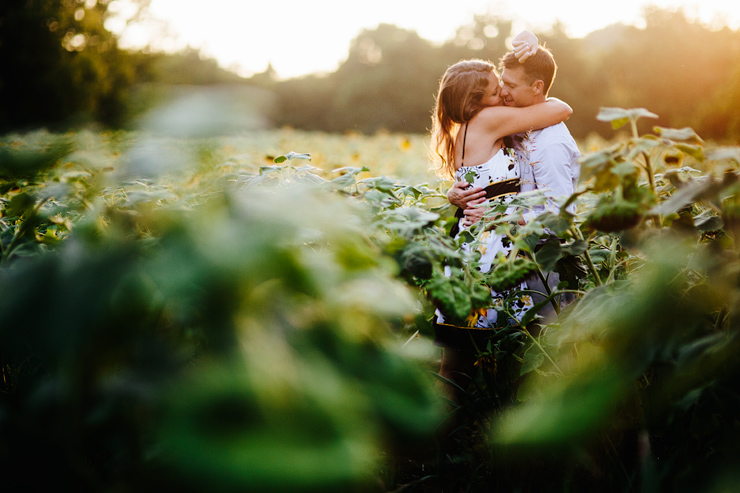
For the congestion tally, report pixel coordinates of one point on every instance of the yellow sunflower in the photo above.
(472, 319)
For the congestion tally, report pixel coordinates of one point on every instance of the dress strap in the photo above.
(465, 137)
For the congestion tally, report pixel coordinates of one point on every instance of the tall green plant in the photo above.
(641, 362)
(246, 343)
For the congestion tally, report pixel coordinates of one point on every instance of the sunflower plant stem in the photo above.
(19, 233)
(2, 248)
(547, 355)
(648, 165)
(592, 268)
(548, 292)
(633, 124)
(649, 169)
(12, 245)
(618, 459)
(651, 183)
(513, 253)
(589, 262)
(612, 260)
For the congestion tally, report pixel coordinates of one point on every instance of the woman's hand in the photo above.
(524, 45)
(461, 194)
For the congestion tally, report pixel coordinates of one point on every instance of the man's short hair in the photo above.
(540, 66)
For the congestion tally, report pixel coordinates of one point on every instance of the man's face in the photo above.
(515, 88)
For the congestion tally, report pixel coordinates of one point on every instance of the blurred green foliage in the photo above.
(244, 336)
(174, 318)
(635, 387)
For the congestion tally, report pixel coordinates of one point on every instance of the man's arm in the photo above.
(467, 198)
(463, 195)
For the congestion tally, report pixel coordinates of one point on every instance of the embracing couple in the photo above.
(477, 114)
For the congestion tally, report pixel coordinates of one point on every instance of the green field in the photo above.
(218, 314)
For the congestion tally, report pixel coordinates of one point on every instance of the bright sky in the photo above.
(309, 36)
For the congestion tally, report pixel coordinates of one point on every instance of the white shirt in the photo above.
(548, 160)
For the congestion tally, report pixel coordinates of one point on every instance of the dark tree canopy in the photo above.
(59, 62)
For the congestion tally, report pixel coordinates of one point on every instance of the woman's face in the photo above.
(492, 97)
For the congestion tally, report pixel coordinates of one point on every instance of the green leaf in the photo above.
(598, 165)
(613, 213)
(724, 153)
(699, 348)
(575, 248)
(409, 219)
(624, 169)
(466, 237)
(684, 134)
(343, 181)
(531, 361)
(618, 123)
(691, 192)
(381, 200)
(27, 156)
(554, 222)
(410, 190)
(532, 228)
(707, 221)
(617, 116)
(571, 268)
(599, 255)
(451, 296)
(505, 273)
(534, 312)
(140, 196)
(637, 113)
(19, 205)
(620, 116)
(352, 170)
(271, 169)
(75, 176)
(568, 410)
(548, 255)
(382, 183)
(552, 251)
(291, 155)
(695, 151)
(642, 145)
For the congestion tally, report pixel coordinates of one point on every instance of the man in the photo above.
(547, 157)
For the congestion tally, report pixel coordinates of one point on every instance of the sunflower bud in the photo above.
(614, 214)
(509, 273)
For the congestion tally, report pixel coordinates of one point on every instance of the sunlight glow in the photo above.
(299, 37)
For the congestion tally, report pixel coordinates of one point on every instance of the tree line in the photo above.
(62, 67)
(677, 67)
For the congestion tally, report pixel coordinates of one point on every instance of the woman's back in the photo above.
(474, 144)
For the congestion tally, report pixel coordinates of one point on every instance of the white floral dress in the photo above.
(501, 172)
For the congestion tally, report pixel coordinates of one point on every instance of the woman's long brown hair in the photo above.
(458, 100)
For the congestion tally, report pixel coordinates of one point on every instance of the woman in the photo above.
(469, 127)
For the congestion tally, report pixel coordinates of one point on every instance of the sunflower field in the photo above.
(253, 313)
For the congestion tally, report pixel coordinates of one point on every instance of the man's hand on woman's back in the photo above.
(467, 198)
